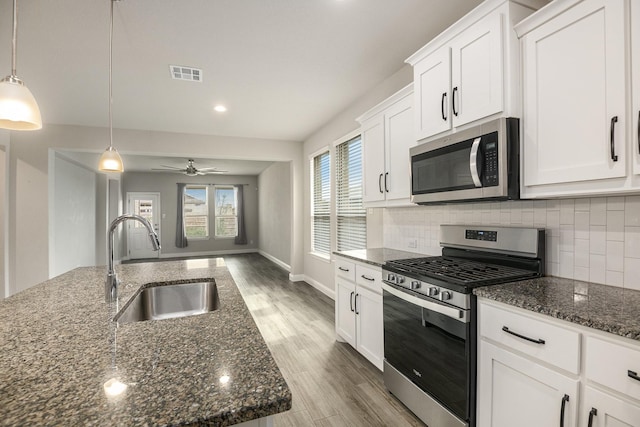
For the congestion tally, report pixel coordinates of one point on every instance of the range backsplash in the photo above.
(590, 239)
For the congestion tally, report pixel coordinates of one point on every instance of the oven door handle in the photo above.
(454, 313)
(473, 162)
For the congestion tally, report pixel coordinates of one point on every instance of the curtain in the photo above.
(181, 235)
(241, 238)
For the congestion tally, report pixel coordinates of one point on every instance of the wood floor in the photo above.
(331, 384)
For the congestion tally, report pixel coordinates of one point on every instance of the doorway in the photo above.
(147, 205)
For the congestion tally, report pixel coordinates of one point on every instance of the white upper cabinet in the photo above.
(579, 81)
(387, 134)
(635, 84)
(470, 71)
(476, 71)
(574, 93)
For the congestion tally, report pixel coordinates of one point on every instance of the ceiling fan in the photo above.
(191, 170)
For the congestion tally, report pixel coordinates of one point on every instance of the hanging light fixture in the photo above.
(110, 161)
(18, 108)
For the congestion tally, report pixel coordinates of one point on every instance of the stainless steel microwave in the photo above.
(481, 163)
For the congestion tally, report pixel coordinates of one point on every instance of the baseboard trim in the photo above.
(208, 253)
(314, 283)
(275, 260)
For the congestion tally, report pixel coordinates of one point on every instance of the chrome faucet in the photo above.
(111, 285)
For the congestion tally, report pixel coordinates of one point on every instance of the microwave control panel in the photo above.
(490, 149)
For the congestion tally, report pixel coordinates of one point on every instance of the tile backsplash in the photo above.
(590, 239)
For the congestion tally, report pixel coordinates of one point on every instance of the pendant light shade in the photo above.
(18, 108)
(110, 161)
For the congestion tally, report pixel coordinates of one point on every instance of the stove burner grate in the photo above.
(460, 270)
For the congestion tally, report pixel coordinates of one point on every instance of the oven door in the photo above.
(430, 344)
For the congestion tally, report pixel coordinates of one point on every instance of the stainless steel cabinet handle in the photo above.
(356, 304)
(380, 183)
(612, 139)
(343, 269)
(565, 399)
(386, 178)
(473, 163)
(351, 301)
(633, 375)
(368, 278)
(538, 341)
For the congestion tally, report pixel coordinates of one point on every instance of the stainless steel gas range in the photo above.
(430, 316)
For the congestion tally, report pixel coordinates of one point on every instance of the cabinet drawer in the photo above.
(369, 277)
(345, 269)
(613, 366)
(544, 341)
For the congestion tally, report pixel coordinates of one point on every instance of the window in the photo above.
(196, 211)
(226, 212)
(351, 215)
(320, 204)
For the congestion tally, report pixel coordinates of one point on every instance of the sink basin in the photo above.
(170, 301)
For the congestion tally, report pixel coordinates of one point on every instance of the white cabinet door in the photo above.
(373, 159)
(432, 84)
(635, 84)
(574, 91)
(370, 329)
(345, 311)
(399, 137)
(477, 70)
(607, 411)
(514, 391)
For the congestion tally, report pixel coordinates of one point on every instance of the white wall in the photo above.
(29, 180)
(596, 239)
(319, 272)
(274, 206)
(4, 139)
(166, 185)
(73, 221)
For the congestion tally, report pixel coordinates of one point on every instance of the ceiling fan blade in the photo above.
(217, 172)
(172, 167)
(208, 169)
(167, 170)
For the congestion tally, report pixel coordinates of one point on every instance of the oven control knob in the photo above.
(433, 291)
(445, 295)
(391, 277)
(400, 279)
(414, 284)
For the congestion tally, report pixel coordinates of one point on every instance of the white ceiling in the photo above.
(282, 67)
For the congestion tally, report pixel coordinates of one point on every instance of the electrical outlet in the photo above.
(413, 243)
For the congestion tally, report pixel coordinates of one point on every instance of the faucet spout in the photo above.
(111, 284)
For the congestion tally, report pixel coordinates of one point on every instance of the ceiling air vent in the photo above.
(179, 72)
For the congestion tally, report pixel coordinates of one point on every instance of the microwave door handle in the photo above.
(473, 163)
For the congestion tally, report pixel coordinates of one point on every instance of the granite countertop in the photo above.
(377, 256)
(58, 347)
(607, 308)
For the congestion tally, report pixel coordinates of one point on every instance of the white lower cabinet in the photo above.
(531, 373)
(358, 308)
(513, 390)
(603, 410)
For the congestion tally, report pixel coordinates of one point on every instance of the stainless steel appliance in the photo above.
(478, 163)
(429, 315)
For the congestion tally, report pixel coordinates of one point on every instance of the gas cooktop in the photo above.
(458, 270)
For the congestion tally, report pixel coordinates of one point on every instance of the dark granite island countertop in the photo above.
(377, 256)
(606, 308)
(58, 348)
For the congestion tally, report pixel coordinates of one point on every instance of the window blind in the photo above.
(321, 234)
(351, 215)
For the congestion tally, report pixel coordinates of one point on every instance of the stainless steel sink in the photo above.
(170, 301)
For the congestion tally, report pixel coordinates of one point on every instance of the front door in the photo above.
(147, 205)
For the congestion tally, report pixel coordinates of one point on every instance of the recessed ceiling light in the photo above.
(220, 108)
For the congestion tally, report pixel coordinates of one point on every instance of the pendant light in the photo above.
(110, 161)
(18, 108)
